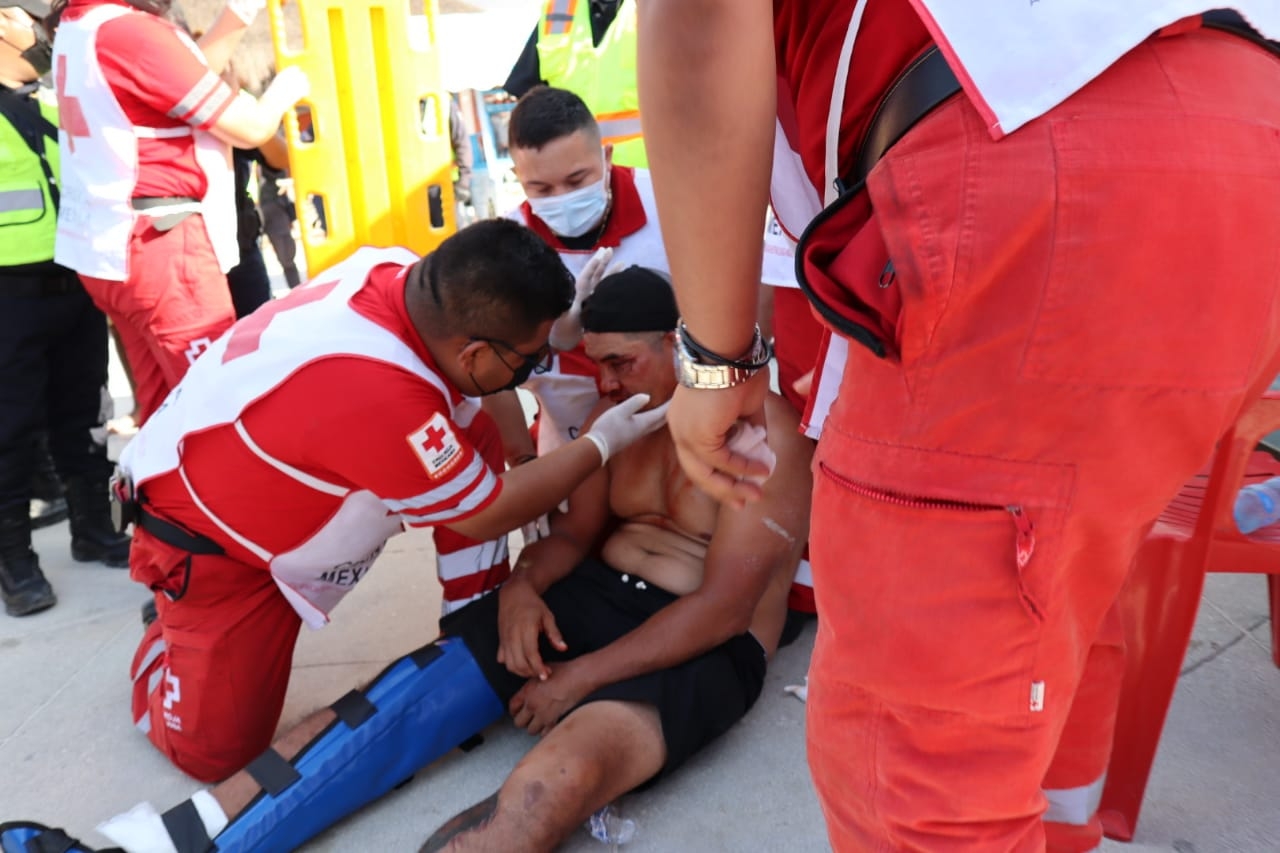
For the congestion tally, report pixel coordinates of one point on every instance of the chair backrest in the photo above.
(1238, 462)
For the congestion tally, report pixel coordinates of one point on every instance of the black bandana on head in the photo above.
(637, 299)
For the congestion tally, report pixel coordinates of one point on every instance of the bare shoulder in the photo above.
(793, 449)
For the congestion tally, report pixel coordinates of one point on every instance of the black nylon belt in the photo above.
(925, 84)
(171, 534)
(929, 81)
(186, 828)
(1231, 21)
(354, 708)
(271, 771)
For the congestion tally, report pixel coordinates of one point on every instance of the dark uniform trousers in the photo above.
(53, 376)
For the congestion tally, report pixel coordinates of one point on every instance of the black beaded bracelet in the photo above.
(706, 356)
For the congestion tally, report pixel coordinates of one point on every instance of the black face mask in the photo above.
(40, 54)
(518, 377)
(526, 368)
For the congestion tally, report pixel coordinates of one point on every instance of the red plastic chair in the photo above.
(1195, 535)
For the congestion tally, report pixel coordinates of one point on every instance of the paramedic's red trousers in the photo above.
(173, 305)
(1087, 305)
(210, 674)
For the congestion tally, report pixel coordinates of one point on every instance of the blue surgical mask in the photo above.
(573, 214)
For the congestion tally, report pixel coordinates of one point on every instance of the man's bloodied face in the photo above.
(634, 363)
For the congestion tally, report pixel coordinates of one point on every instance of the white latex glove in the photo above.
(751, 441)
(539, 528)
(567, 329)
(619, 427)
(289, 86)
(246, 10)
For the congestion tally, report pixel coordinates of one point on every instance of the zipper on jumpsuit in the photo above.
(1024, 543)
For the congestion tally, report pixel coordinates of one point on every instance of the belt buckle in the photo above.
(124, 502)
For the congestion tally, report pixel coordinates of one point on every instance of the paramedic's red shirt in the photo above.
(160, 81)
(808, 35)
(343, 419)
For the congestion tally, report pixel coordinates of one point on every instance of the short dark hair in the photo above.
(545, 114)
(495, 279)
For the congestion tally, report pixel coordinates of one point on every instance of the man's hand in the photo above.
(539, 705)
(701, 423)
(620, 427)
(523, 617)
(566, 332)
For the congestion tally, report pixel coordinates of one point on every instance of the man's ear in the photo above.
(608, 155)
(467, 355)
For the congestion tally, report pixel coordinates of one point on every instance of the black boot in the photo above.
(48, 505)
(22, 584)
(93, 536)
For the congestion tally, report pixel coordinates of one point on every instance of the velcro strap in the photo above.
(51, 841)
(425, 655)
(354, 708)
(272, 772)
(186, 829)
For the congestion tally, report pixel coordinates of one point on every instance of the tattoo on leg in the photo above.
(474, 818)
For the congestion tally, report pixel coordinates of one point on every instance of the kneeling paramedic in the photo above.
(341, 410)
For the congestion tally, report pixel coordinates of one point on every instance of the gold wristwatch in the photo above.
(697, 367)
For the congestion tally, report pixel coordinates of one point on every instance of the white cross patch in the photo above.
(436, 445)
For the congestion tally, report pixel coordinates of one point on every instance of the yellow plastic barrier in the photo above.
(380, 159)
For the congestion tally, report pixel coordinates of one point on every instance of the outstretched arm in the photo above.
(707, 97)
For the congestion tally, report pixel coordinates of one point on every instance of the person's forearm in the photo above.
(275, 151)
(221, 40)
(707, 101)
(533, 489)
(679, 632)
(548, 560)
(508, 414)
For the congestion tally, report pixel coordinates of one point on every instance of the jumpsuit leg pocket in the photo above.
(936, 598)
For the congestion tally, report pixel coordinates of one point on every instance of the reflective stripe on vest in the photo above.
(558, 17)
(1074, 806)
(619, 127)
(28, 221)
(13, 201)
(603, 75)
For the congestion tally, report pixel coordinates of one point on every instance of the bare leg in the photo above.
(598, 752)
(239, 790)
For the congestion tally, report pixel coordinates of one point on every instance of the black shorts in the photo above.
(697, 700)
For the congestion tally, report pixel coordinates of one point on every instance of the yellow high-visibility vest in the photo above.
(28, 220)
(604, 77)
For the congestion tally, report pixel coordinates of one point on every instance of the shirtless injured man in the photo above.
(633, 635)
